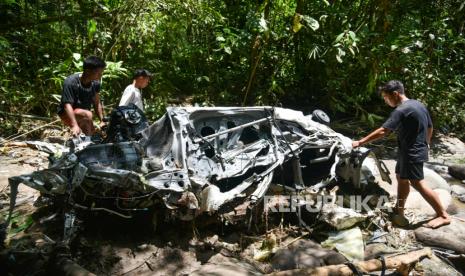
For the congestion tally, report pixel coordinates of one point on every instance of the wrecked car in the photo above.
(197, 160)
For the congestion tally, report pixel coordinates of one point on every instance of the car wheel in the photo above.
(321, 117)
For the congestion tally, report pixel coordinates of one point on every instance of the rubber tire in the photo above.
(321, 117)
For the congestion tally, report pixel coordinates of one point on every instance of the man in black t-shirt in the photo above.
(412, 123)
(80, 92)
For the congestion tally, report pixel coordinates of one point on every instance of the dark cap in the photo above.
(141, 73)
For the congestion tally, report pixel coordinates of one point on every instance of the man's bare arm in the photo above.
(375, 135)
(429, 135)
(98, 107)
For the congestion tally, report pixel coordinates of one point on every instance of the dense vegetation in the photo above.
(329, 54)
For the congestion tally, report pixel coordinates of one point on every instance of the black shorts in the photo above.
(409, 170)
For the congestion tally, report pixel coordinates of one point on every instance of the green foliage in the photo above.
(300, 54)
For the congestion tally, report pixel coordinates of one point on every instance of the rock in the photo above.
(440, 169)
(416, 201)
(460, 215)
(452, 144)
(39, 243)
(451, 236)
(453, 209)
(340, 217)
(461, 198)
(457, 171)
(305, 254)
(221, 265)
(374, 250)
(434, 180)
(211, 240)
(435, 266)
(144, 247)
(458, 189)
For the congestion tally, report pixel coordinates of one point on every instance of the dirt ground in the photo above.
(110, 245)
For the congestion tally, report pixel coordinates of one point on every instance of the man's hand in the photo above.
(102, 124)
(375, 135)
(75, 130)
(355, 144)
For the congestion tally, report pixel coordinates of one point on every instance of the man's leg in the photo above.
(403, 189)
(84, 120)
(433, 199)
(403, 186)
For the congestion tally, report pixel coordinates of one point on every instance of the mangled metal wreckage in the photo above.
(198, 160)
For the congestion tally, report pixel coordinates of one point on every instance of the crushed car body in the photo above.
(197, 160)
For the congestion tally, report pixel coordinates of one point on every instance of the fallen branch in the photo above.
(145, 261)
(15, 144)
(294, 240)
(35, 129)
(48, 119)
(402, 263)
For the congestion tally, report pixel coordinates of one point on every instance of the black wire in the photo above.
(118, 197)
(354, 269)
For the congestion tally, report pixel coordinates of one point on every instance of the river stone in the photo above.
(416, 201)
(374, 250)
(457, 171)
(458, 189)
(453, 145)
(305, 254)
(440, 169)
(460, 215)
(451, 236)
(435, 266)
(222, 265)
(432, 178)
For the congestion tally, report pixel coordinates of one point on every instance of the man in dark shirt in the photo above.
(412, 123)
(80, 92)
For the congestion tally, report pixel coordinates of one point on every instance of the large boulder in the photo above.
(305, 254)
(435, 266)
(374, 250)
(416, 201)
(458, 190)
(222, 265)
(451, 236)
(454, 146)
(457, 171)
(432, 178)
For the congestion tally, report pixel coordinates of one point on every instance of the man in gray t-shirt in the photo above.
(80, 93)
(412, 123)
